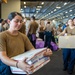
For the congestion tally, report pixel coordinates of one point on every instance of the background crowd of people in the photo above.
(46, 32)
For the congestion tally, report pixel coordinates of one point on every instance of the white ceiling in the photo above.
(49, 9)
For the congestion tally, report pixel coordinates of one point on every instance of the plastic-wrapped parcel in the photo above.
(35, 58)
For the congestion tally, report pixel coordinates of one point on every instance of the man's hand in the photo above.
(48, 52)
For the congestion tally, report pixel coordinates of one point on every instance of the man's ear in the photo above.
(8, 21)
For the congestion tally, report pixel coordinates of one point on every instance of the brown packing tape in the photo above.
(4, 1)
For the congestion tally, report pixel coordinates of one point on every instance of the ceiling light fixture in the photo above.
(70, 10)
(37, 9)
(49, 13)
(66, 12)
(42, 3)
(24, 2)
(39, 6)
(24, 6)
(65, 3)
(71, 15)
(67, 16)
(21, 9)
(54, 9)
(58, 7)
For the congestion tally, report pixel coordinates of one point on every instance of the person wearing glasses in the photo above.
(13, 43)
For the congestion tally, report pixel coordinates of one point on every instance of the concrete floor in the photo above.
(54, 67)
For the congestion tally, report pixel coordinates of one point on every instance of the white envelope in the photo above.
(35, 57)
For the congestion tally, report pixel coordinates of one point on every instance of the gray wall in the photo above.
(11, 5)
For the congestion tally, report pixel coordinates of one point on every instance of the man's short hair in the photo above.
(33, 17)
(73, 18)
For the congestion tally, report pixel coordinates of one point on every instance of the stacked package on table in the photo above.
(35, 57)
(66, 42)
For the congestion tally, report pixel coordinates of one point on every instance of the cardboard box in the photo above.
(66, 42)
(35, 57)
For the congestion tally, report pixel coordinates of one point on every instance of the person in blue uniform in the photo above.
(69, 54)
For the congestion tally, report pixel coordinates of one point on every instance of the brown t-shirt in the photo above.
(14, 44)
(49, 27)
(33, 26)
(23, 29)
(41, 29)
(70, 31)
